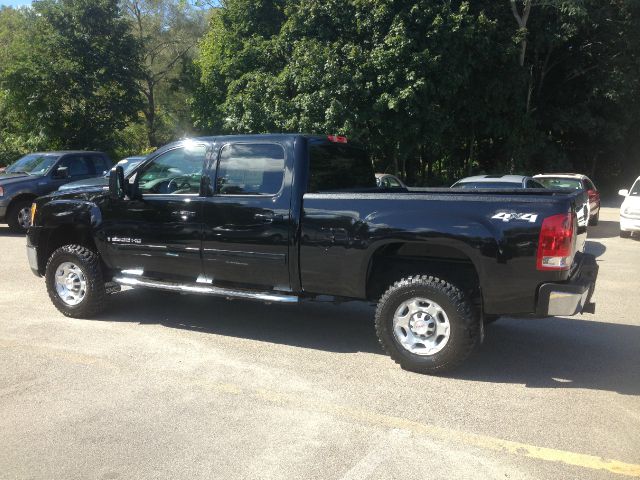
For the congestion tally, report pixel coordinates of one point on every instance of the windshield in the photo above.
(34, 164)
(561, 183)
(635, 190)
(508, 185)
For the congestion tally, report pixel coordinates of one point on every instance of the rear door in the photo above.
(246, 218)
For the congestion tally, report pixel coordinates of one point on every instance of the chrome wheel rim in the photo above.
(24, 217)
(421, 326)
(71, 284)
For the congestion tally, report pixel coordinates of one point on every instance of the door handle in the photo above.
(184, 214)
(264, 217)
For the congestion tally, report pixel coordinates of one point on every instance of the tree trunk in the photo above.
(594, 164)
(150, 114)
(522, 20)
(472, 147)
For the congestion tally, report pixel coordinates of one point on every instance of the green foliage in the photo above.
(73, 81)
(167, 33)
(435, 89)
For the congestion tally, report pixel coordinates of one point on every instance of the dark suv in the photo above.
(37, 174)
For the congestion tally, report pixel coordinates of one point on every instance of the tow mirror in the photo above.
(623, 193)
(116, 183)
(62, 172)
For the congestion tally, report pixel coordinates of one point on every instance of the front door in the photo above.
(158, 233)
(79, 167)
(246, 220)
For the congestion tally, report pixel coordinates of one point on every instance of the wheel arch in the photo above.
(65, 222)
(19, 197)
(450, 261)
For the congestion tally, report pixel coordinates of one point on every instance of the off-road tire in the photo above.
(12, 216)
(88, 261)
(624, 234)
(464, 324)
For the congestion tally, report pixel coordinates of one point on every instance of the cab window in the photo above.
(250, 169)
(176, 172)
(77, 165)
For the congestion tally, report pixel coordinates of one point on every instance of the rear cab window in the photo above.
(337, 167)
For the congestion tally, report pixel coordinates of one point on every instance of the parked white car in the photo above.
(630, 210)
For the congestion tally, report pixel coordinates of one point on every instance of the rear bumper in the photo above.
(573, 296)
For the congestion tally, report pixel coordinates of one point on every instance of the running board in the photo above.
(206, 290)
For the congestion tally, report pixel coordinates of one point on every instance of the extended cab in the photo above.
(37, 174)
(281, 218)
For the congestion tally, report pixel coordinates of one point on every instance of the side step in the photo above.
(207, 290)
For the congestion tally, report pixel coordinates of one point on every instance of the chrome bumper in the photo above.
(32, 256)
(572, 297)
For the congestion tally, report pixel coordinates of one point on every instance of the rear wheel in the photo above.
(426, 325)
(19, 216)
(74, 281)
(593, 221)
(624, 234)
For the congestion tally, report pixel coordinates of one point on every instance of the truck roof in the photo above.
(65, 152)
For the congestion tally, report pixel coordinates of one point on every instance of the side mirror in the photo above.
(61, 172)
(623, 193)
(116, 183)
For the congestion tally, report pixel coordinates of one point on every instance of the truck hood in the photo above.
(88, 194)
(84, 184)
(14, 178)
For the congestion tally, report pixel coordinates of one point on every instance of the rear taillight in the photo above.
(593, 194)
(557, 242)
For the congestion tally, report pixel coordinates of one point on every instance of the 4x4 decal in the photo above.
(508, 216)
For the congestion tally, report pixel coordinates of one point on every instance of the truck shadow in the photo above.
(558, 353)
(5, 232)
(595, 248)
(539, 353)
(604, 229)
(317, 325)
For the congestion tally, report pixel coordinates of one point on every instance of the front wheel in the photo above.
(426, 325)
(19, 216)
(594, 220)
(624, 234)
(74, 281)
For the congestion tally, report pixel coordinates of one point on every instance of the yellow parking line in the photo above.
(386, 421)
(481, 441)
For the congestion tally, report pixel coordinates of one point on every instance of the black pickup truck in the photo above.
(282, 218)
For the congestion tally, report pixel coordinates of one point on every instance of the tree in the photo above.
(75, 84)
(167, 33)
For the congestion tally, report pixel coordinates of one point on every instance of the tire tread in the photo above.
(463, 309)
(95, 301)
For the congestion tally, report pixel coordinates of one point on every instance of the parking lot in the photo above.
(172, 386)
